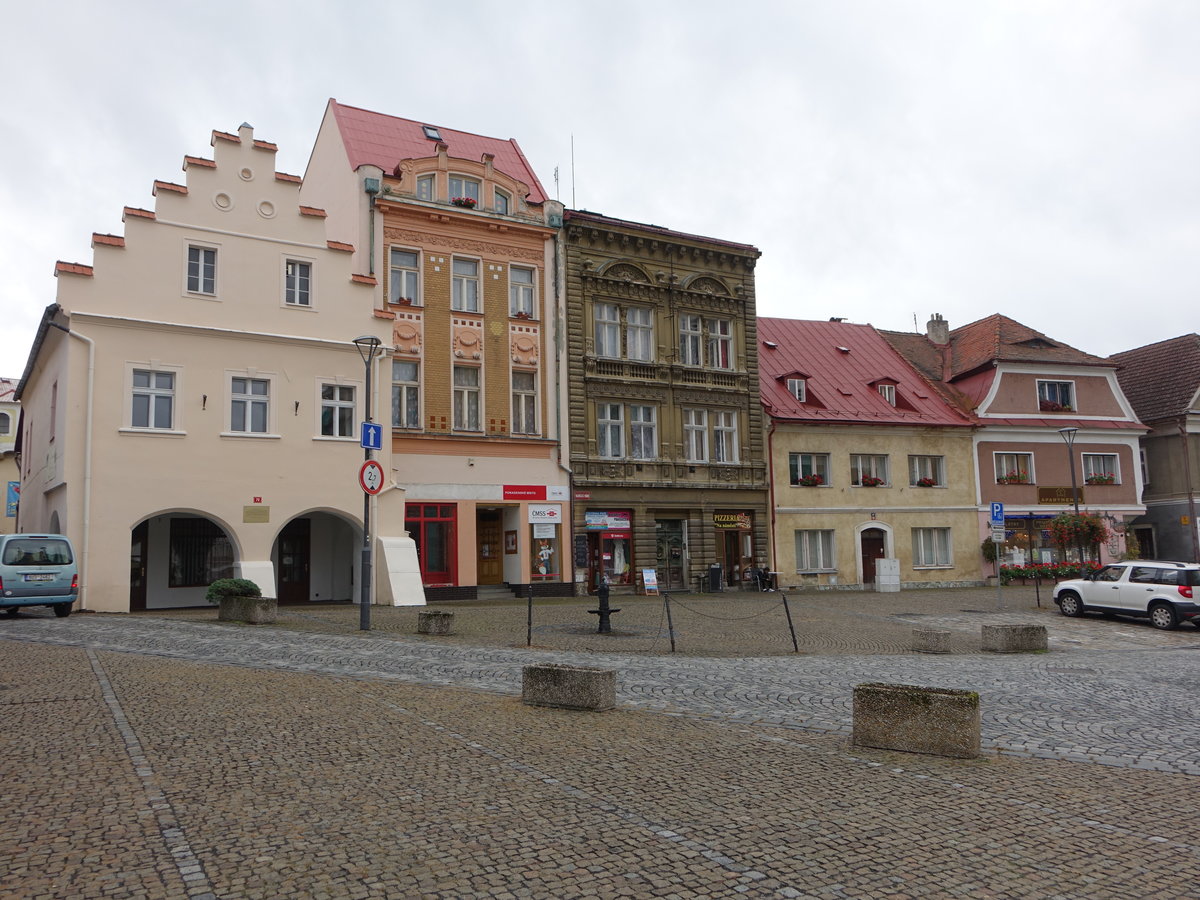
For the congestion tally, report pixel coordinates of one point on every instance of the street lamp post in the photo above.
(1068, 435)
(368, 346)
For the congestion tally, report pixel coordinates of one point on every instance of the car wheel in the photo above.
(1070, 604)
(12, 611)
(1163, 615)
(62, 610)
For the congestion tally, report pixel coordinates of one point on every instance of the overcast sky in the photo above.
(891, 159)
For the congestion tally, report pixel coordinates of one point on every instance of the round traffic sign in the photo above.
(370, 477)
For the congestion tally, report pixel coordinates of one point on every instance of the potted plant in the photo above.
(241, 600)
(1106, 478)
(521, 314)
(871, 481)
(813, 480)
(1013, 478)
(464, 202)
(926, 482)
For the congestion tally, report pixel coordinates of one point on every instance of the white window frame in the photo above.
(341, 401)
(933, 467)
(818, 542)
(639, 333)
(298, 286)
(933, 548)
(803, 463)
(467, 398)
(201, 279)
(873, 464)
(1043, 389)
(406, 396)
(887, 392)
(5, 423)
(608, 330)
(610, 431)
(725, 436)
(426, 187)
(153, 393)
(524, 403)
(798, 388)
(695, 435)
(501, 202)
(465, 289)
(691, 332)
(404, 277)
(1008, 462)
(643, 431)
(521, 293)
(1092, 460)
(467, 186)
(719, 348)
(248, 400)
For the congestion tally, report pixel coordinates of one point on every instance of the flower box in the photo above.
(1101, 479)
(871, 481)
(926, 482)
(464, 202)
(810, 481)
(1013, 478)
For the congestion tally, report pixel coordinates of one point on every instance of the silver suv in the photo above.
(1161, 591)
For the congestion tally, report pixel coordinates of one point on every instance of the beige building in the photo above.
(872, 471)
(10, 477)
(192, 400)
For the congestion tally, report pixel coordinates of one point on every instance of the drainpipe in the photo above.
(771, 489)
(87, 459)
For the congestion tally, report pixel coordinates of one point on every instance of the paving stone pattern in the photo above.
(169, 756)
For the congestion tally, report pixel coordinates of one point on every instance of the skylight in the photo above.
(431, 132)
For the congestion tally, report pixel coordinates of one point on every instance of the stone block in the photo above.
(887, 587)
(569, 687)
(252, 610)
(435, 621)
(938, 721)
(1014, 638)
(930, 640)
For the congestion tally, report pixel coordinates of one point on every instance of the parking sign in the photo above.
(997, 512)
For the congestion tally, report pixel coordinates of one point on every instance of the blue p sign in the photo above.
(997, 512)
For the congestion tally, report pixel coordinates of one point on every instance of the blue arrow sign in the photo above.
(372, 436)
(998, 512)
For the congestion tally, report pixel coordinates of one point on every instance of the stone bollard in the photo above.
(928, 640)
(435, 621)
(1014, 638)
(939, 721)
(569, 687)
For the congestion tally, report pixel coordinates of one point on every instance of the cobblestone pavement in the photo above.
(169, 756)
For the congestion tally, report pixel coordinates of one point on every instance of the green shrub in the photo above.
(232, 587)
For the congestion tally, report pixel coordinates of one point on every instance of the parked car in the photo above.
(1162, 591)
(37, 570)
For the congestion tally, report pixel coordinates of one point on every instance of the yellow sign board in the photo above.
(1058, 496)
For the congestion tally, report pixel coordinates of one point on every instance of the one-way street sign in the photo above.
(372, 436)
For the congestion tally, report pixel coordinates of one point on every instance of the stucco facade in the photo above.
(194, 396)
(10, 476)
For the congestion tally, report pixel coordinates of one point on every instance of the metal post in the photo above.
(670, 625)
(792, 628)
(368, 346)
(529, 620)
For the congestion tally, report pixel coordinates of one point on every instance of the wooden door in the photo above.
(294, 543)
(489, 549)
(139, 555)
(874, 546)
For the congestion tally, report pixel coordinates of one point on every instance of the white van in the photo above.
(37, 570)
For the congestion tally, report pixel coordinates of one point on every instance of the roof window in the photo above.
(431, 132)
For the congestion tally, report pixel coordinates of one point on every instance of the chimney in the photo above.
(937, 329)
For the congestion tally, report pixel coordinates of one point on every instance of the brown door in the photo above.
(139, 553)
(487, 536)
(293, 561)
(874, 545)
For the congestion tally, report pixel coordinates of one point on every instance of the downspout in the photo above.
(87, 459)
(771, 489)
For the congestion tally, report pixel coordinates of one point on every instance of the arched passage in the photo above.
(175, 556)
(314, 558)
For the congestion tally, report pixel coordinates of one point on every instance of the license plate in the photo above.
(49, 576)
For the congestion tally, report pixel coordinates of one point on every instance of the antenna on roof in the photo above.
(573, 171)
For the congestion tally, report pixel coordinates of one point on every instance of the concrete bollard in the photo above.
(938, 721)
(569, 687)
(1014, 638)
(435, 621)
(929, 640)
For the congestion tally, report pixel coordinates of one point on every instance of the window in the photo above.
(524, 403)
(406, 412)
(202, 270)
(1100, 468)
(931, 547)
(465, 286)
(695, 435)
(868, 471)
(424, 187)
(433, 531)
(297, 283)
(720, 343)
(725, 437)
(337, 410)
(520, 291)
(1014, 468)
(465, 188)
(798, 388)
(404, 280)
(250, 405)
(153, 399)
(887, 392)
(466, 398)
(808, 469)
(431, 132)
(639, 334)
(610, 431)
(643, 432)
(5, 423)
(1056, 396)
(608, 330)
(502, 203)
(200, 553)
(689, 340)
(927, 471)
(1145, 467)
(814, 551)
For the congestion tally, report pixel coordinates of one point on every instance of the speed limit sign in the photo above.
(370, 477)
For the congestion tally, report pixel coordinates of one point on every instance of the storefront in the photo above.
(545, 539)
(610, 547)
(735, 544)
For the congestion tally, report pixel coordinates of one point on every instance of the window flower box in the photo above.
(926, 482)
(522, 315)
(1013, 478)
(1108, 478)
(871, 481)
(464, 202)
(810, 481)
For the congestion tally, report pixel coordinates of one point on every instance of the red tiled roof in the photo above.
(313, 211)
(226, 136)
(137, 211)
(338, 245)
(999, 338)
(842, 362)
(112, 240)
(198, 161)
(284, 176)
(169, 186)
(66, 268)
(1161, 379)
(265, 145)
(384, 314)
(376, 139)
(364, 279)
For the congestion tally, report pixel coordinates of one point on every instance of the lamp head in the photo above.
(368, 345)
(1068, 434)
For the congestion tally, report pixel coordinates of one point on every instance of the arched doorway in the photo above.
(314, 558)
(174, 557)
(873, 543)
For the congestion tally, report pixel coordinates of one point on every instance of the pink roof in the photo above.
(843, 365)
(374, 139)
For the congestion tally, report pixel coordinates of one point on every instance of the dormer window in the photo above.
(1056, 396)
(425, 187)
(502, 203)
(464, 188)
(887, 392)
(798, 388)
(431, 132)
